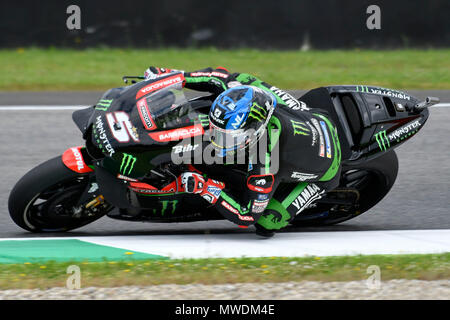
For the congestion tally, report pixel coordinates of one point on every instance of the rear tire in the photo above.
(377, 178)
(41, 200)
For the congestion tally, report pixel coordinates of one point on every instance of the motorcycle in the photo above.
(126, 170)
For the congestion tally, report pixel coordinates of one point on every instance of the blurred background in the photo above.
(267, 24)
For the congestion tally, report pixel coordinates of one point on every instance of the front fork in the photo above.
(91, 200)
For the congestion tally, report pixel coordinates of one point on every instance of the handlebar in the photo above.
(125, 78)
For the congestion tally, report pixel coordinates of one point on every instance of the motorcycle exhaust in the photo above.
(429, 101)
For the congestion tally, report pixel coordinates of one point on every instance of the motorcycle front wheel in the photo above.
(45, 199)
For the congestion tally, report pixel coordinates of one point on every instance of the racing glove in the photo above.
(208, 189)
(155, 72)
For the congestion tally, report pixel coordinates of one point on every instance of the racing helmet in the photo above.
(238, 118)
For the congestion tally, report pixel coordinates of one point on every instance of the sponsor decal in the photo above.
(184, 148)
(122, 177)
(300, 128)
(314, 133)
(103, 104)
(73, 159)
(152, 191)
(321, 140)
(121, 127)
(127, 164)
(145, 115)
(259, 206)
(327, 139)
(215, 116)
(237, 121)
(407, 130)
(209, 74)
(145, 188)
(383, 92)
(78, 158)
(311, 193)
(177, 134)
(303, 176)
(257, 112)
(382, 140)
(215, 191)
(165, 205)
(102, 138)
(289, 100)
(204, 119)
(261, 183)
(160, 84)
(230, 208)
(263, 196)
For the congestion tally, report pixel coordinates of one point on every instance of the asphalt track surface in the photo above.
(420, 198)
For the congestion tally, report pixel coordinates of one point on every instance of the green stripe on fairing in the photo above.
(274, 123)
(234, 204)
(294, 194)
(204, 79)
(65, 250)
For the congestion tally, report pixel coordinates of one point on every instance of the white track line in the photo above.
(41, 108)
(289, 244)
(53, 108)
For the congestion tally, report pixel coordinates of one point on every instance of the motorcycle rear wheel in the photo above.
(368, 182)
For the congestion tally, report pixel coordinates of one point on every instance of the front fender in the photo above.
(74, 160)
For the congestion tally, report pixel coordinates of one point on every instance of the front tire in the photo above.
(44, 198)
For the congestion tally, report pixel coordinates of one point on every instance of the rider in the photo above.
(302, 156)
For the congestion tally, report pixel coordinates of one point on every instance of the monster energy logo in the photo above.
(128, 162)
(165, 205)
(381, 137)
(104, 104)
(362, 89)
(204, 120)
(257, 112)
(300, 128)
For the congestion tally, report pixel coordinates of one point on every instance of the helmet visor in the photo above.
(228, 139)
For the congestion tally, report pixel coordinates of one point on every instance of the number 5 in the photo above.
(121, 127)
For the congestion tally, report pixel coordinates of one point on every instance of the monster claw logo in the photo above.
(257, 112)
(104, 104)
(300, 128)
(381, 137)
(165, 206)
(204, 120)
(127, 164)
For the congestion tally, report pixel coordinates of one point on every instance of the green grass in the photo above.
(100, 69)
(216, 271)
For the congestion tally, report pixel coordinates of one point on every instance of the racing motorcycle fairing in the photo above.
(370, 120)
